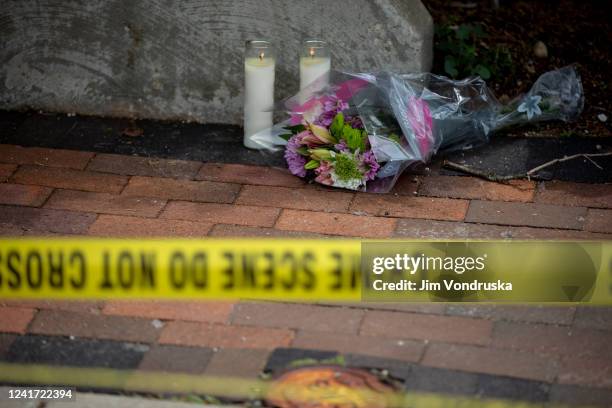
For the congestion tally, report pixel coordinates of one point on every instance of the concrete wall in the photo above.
(173, 59)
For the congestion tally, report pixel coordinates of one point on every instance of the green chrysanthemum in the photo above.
(346, 167)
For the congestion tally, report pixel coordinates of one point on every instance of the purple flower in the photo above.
(341, 146)
(331, 106)
(295, 161)
(354, 122)
(370, 165)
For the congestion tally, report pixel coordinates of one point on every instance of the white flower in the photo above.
(531, 106)
(350, 184)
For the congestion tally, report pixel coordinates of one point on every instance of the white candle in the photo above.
(315, 64)
(312, 68)
(258, 95)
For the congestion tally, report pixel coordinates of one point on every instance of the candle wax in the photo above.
(258, 97)
(312, 68)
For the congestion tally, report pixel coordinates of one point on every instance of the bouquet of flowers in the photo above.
(333, 147)
(361, 131)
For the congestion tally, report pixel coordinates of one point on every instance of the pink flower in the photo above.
(421, 122)
(316, 136)
(323, 173)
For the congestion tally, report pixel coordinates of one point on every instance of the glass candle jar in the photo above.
(259, 67)
(315, 63)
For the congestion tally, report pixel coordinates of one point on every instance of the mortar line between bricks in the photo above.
(161, 210)
(280, 213)
(498, 224)
(47, 198)
(90, 160)
(423, 352)
(129, 178)
(238, 193)
(197, 172)
(91, 225)
(350, 203)
(9, 178)
(72, 188)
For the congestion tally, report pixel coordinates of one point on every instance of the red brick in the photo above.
(590, 372)
(491, 361)
(553, 340)
(65, 305)
(6, 170)
(475, 188)
(70, 179)
(206, 191)
(228, 230)
(191, 360)
(214, 312)
(425, 308)
(54, 221)
(8, 230)
(210, 335)
(519, 313)
(599, 221)
(122, 226)
(426, 327)
(594, 317)
(105, 203)
(526, 214)
(575, 194)
(221, 213)
(295, 198)
(407, 184)
(257, 175)
(405, 350)
(237, 362)
(336, 224)
(62, 323)
(298, 316)
(144, 166)
(44, 157)
(15, 319)
(18, 194)
(420, 229)
(410, 207)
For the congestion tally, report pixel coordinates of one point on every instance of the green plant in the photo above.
(466, 52)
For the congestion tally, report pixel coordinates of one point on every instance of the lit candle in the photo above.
(315, 63)
(259, 68)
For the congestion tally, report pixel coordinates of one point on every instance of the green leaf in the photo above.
(313, 164)
(450, 66)
(482, 71)
(352, 137)
(303, 362)
(336, 126)
(295, 129)
(394, 137)
(464, 31)
(479, 31)
(286, 136)
(303, 151)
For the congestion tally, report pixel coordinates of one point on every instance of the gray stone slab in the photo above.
(77, 352)
(184, 59)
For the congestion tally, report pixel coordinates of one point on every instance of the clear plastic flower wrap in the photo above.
(361, 131)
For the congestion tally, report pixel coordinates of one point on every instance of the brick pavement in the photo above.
(536, 353)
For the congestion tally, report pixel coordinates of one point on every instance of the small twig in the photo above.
(594, 162)
(566, 158)
(530, 174)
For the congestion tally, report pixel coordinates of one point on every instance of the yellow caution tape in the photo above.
(233, 387)
(211, 269)
(329, 270)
